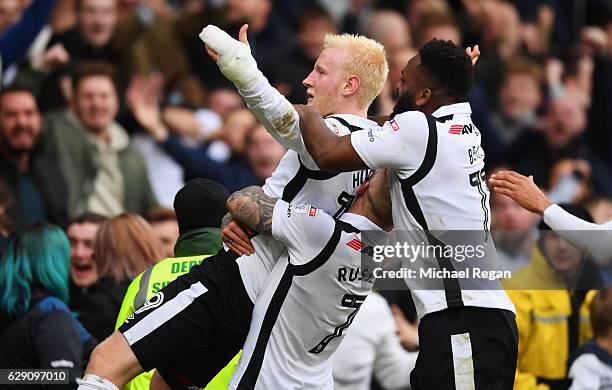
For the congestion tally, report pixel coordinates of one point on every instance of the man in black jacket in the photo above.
(36, 186)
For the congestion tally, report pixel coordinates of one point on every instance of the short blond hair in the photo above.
(365, 58)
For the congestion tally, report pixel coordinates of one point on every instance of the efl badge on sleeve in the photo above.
(394, 125)
(312, 212)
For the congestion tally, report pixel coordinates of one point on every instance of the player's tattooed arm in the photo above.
(253, 208)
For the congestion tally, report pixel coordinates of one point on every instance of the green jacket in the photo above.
(190, 249)
(65, 142)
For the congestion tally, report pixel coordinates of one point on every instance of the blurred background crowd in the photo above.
(108, 107)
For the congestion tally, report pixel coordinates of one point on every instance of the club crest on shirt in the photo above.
(155, 301)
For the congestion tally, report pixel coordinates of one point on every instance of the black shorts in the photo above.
(466, 348)
(194, 325)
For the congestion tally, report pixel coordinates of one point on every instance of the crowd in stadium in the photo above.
(109, 107)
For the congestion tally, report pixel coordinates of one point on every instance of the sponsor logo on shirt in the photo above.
(370, 135)
(355, 244)
(301, 209)
(461, 129)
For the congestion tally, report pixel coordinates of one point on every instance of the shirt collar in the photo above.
(359, 221)
(119, 138)
(357, 120)
(452, 109)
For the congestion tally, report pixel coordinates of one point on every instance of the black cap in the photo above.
(200, 203)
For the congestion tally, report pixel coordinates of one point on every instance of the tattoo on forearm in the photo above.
(253, 208)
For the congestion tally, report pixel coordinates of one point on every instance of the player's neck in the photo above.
(350, 109)
(605, 343)
(435, 104)
(361, 207)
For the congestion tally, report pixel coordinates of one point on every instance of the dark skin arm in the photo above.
(329, 152)
(380, 119)
(252, 208)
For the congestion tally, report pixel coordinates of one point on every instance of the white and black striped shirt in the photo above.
(437, 183)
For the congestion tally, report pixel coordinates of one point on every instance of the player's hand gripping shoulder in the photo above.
(236, 236)
(253, 208)
(233, 57)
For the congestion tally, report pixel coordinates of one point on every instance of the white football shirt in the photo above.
(437, 183)
(297, 180)
(309, 300)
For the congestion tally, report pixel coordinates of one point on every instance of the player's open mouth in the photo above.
(82, 267)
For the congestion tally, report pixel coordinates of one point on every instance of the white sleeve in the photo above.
(276, 114)
(304, 229)
(584, 373)
(393, 364)
(400, 143)
(593, 238)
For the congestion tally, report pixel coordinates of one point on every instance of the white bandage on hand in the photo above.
(91, 381)
(235, 59)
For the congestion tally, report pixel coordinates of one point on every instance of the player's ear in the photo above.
(423, 97)
(352, 85)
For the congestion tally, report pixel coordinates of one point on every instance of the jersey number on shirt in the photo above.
(478, 180)
(348, 300)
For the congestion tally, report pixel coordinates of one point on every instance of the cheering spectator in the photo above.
(165, 226)
(38, 189)
(124, 247)
(16, 40)
(84, 287)
(105, 173)
(262, 152)
(551, 296)
(36, 328)
(287, 70)
(389, 28)
(519, 98)
(564, 123)
(439, 26)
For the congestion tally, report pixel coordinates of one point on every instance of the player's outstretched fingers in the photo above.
(500, 183)
(504, 191)
(474, 53)
(514, 176)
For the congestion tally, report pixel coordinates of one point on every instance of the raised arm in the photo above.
(329, 152)
(270, 107)
(595, 239)
(253, 208)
